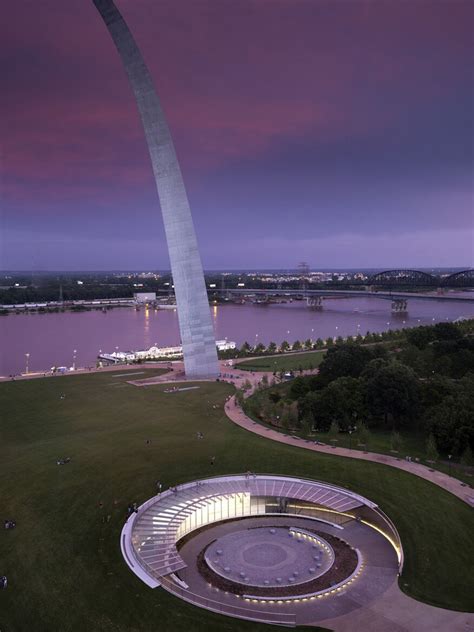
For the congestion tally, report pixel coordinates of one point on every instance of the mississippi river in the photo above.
(51, 339)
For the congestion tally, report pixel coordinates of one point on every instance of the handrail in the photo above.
(241, 612)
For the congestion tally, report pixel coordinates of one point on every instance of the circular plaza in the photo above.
(269, 557)
(267, 548)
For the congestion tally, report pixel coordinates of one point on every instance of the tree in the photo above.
(392, 392)
(306, 426)
(285, 346)
(364, 434)
(274, 396)
(246, 386)
(239, 397)
(296, 345)
(466, 457)
(272, 348)
(260, 348)
(431, 449)
(345, 361)
(329, 342)
(341, 401)
(308, 408)
(446, 331)
(245, 348)
(308, 343)
(452, 421)
(420, 336)
(319, 344)
(268, 411)
(289, 415)
(333, 431)
(396, 442)
(264, 381)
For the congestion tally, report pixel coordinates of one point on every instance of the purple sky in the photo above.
(339, 133)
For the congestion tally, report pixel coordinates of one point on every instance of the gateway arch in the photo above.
(195, 323)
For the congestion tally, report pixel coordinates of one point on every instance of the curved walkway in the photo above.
(238, 377)
(450, 484)
(394, 611)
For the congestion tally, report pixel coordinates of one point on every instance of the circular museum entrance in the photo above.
(267, 548)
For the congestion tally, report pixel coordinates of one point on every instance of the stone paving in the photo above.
(268, 557)
(378, 574)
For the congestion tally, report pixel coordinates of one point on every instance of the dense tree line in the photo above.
(425, 384)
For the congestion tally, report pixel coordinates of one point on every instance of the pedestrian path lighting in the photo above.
(74, 359)
(27, 356)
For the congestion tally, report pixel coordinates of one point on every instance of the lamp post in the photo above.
(350, 439)
(450, 456)
(74, 359)
(27, 356)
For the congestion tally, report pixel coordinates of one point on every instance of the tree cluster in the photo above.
(425, 385)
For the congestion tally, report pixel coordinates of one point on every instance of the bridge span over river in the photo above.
(308, 293)
(315, 297)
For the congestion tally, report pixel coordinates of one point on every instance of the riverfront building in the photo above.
(154, 352)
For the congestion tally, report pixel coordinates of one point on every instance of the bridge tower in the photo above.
(315, 302)
(303, 269)
(399, 306)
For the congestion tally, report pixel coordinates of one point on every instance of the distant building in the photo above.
(144, 297)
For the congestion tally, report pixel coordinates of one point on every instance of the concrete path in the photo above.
(450, 484)
(236, 414)
(396, 612)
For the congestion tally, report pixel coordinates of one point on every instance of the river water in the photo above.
(51, 338)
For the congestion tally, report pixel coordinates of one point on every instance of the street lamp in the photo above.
(450, 456)
(350, 439)
(74, 359)
(27, 356)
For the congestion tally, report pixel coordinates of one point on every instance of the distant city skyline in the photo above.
(340, 135)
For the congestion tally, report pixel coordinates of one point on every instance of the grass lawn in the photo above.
(284, 362)
(63, 562)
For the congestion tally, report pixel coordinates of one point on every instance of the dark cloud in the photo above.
(309, 118)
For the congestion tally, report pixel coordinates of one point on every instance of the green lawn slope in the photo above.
(63, 560)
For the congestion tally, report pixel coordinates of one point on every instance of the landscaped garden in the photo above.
(414, 400)
(63, 562)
